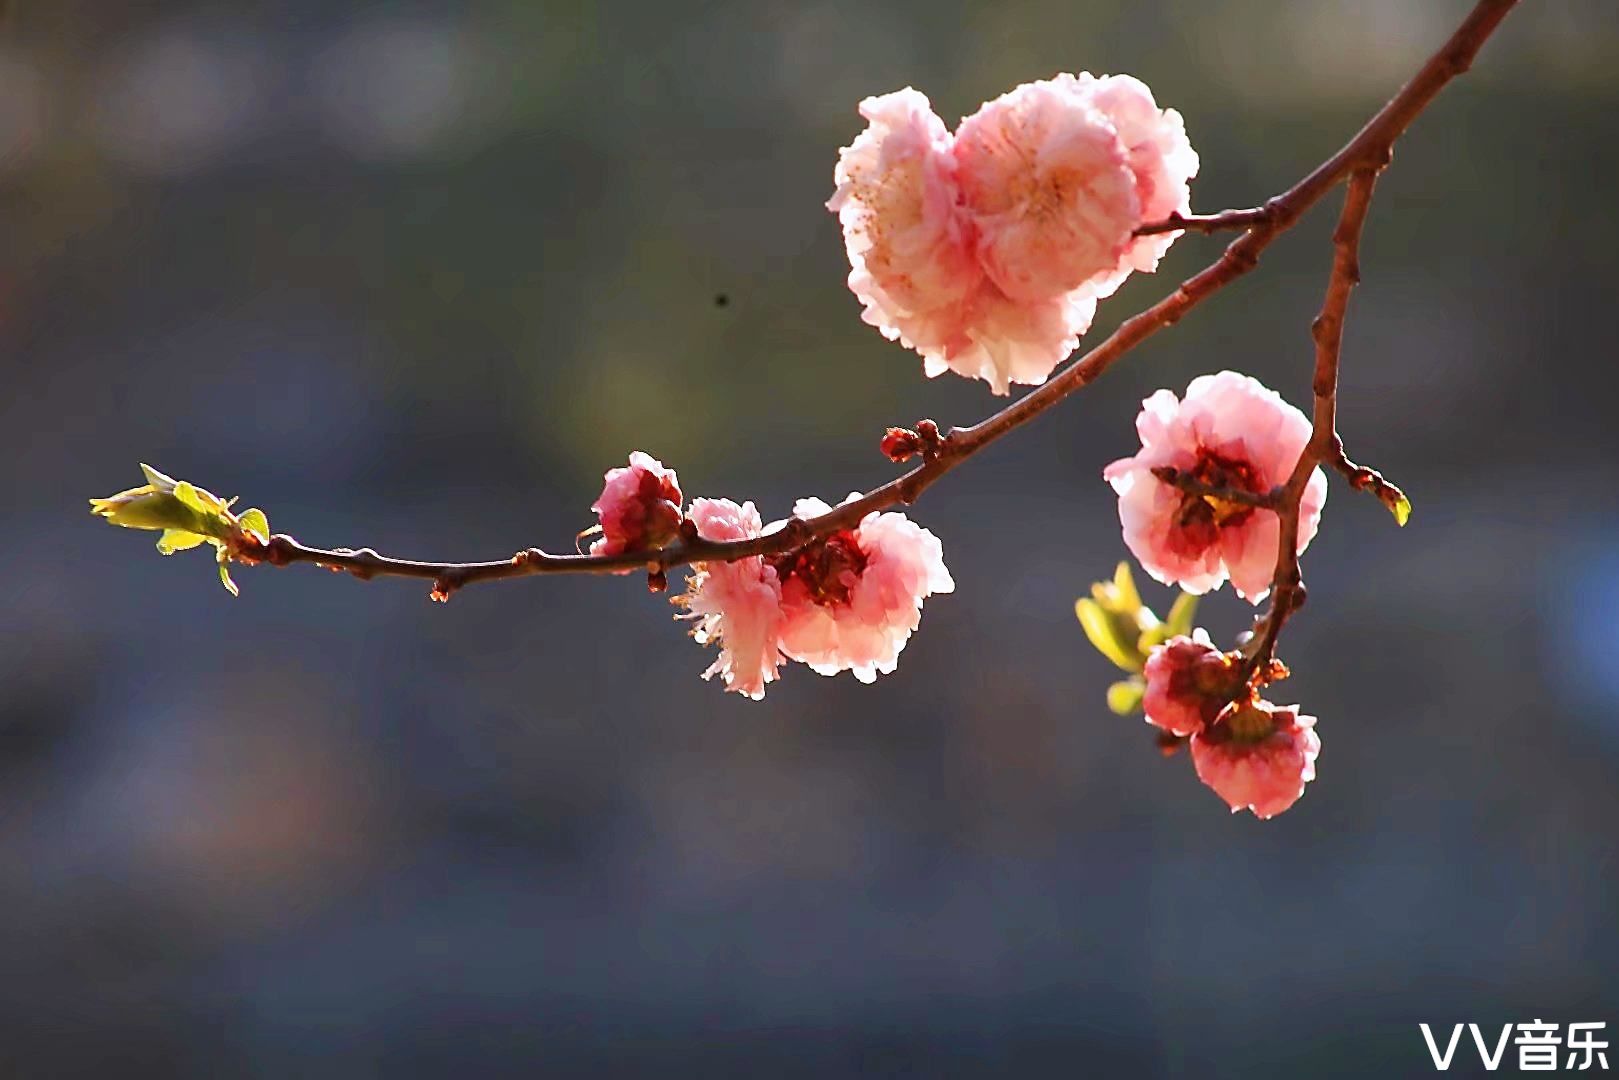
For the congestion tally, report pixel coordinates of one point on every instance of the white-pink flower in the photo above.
(1161, 160)
(1258, 757)
(850, 600)
(1229, 431)
(910, 262)
(992, 337)
(1188, 682)
(987, 251)
(639, 507)
(1057, 175)
(737, 605)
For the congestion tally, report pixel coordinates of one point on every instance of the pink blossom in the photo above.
(1188, 682)
(1057, 175)
(1161, 159)
(639, 507)
(987, 251)
(850, 600)
(1229, 431)
(910, 260)
(992, 337)
(737, 605)
(1259, 757)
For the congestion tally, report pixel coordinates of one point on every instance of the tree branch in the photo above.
(1287, 584)
(1208, 223)
(1363, 156)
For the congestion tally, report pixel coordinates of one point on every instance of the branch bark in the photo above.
(1287, 583)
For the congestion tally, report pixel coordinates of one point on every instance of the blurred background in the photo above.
(413, 275)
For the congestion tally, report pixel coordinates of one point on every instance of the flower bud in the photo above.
(639, 507)
(1188, 682)
(900, 444)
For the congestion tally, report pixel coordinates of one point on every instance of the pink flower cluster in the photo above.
(1255, 755)
(987, 250)
(1229, 431)
(846, 601)
(851, 600)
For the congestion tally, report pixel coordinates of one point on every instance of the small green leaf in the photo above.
(158, 480)
(150, 506)
(213, 513)
(174, 540)
(1125, 588)
(1124, 697)
(1181, 615)
(1151, 638)
(1100, 629)
(194, 498)
(146, 508)
(1400, 506)
(224, 574)
(253, 521)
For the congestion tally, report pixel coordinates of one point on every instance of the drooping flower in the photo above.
(1229, 431)
(736, 605)
(1188, 682)
(1258, 757)
(850, 600)
(987, 251)
(639, 507)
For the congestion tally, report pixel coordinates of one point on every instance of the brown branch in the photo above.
(1362, 478)
(1364, 155)
(1208, 223)
(447, 577)
(1287, 584)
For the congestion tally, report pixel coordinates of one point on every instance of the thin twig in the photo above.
(1363, 155)
(1287, 583)
(1207, 223)
(1362, 478)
